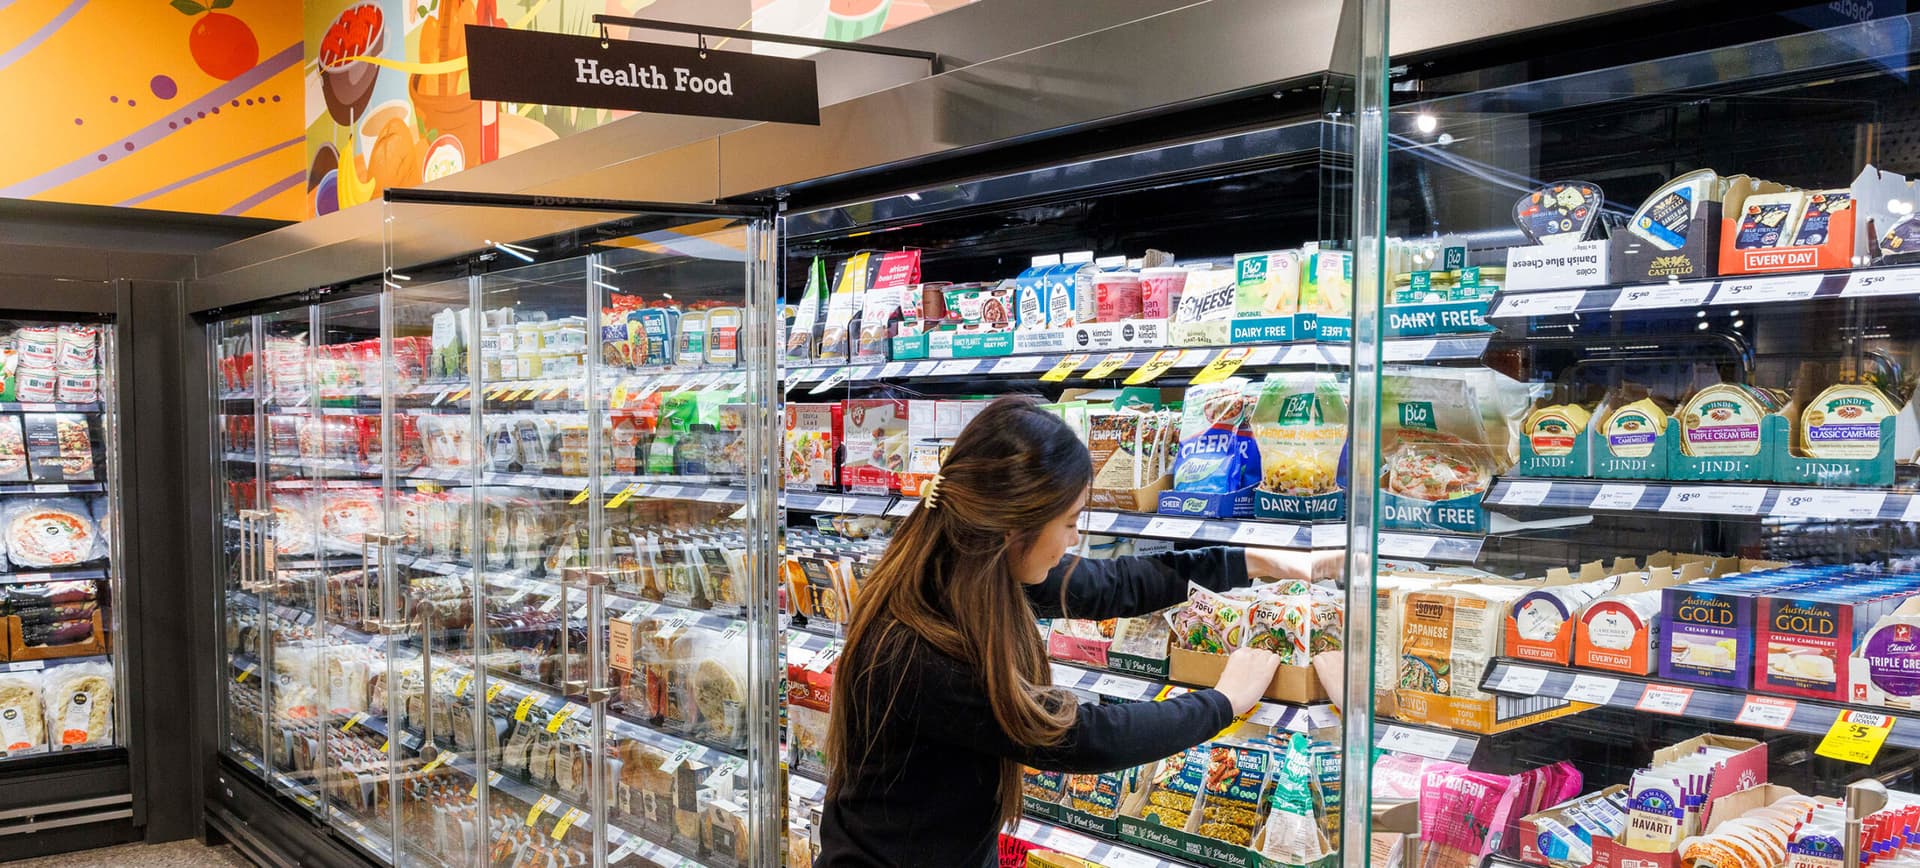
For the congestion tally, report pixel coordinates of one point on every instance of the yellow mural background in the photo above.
(77, 79)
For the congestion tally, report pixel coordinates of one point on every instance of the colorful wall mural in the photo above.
(200, 105)
(188, 105)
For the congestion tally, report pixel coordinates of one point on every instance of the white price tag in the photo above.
(1771, 712)
(862, 373)
(1118, 686)
(1432, 745)
(715, 495)
(1304, 354)
(1664, 699)
(839, 376)
(1540, 303)
(836, 504)
(1016, 364)
(679, 756)
(1756, 290)
(1912, 512)
(1680, 295)
(1526, 493)
(893, 369)
(551, 604)
(1714, 500)
(667, 492)
(1177, 528)
(1064, 675)
(1099, 522)
(904, 507)
(1267, 714)
(625, 849)
(1618, 497)
(955, 367)
(824, 659)
(1254, 533)
(1830, 504)
(1402, 545)
(1874, 281)
(1329, 536)
(921, 369)
(1264, 356)
(1407, 350)
(1593, 688)
(1522, 679)
(1118, 858)
(30, 665)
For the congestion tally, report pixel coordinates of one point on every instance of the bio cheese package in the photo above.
(1267, 284)
(1300, 425)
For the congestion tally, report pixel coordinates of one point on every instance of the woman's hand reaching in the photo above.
(1246, 676)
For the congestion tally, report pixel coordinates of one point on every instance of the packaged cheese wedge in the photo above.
(1629, 422)
(1722, 419)
(1844, 422)
(1551, 429)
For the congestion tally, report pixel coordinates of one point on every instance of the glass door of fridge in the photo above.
(681, 579)
(353, 634)
(287, 533)
(426, 591)
(237, 496)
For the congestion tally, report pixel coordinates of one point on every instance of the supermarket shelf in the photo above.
(54, 663)
(617, 838)
(1696, 294)
(1041, 833)
(1693, 701)
(17, 407)
(1426, 741)
(842, 504)
(1278, 715)
(1706, 498)
(1236, 531)
(75, 575)
(52, 488)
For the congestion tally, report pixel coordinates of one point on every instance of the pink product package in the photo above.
(1160, 291)
(1116, 296)
(1463, 816)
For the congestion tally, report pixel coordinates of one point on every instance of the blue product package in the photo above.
(1218, 454)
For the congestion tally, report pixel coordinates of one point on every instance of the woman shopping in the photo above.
(943, 689)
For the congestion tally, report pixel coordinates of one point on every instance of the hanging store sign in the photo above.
(557, 69)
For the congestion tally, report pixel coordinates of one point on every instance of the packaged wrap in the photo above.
(23, 722)
(78, 702)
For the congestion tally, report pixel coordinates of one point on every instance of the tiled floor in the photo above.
(179, 854)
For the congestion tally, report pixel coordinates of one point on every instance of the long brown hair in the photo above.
(946, 578)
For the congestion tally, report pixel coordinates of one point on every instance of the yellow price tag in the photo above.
(560, 717)
(621, 498)
(539, 807)
(438, 761)
(1160, 363)
(459, 395)
(425, 487)
(1856, 736)
(525, 395)
(492, 778)
(581, 497)
(526, 705)
(242, 677)
(1107, 366)
(358, 718)
(493, 690)
(461, 687)
(619, 398)
(386, 746)
(554, 393)
(1059, 373)
(566, 822)
(1222, 366)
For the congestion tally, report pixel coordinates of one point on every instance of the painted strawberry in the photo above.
(223, 46)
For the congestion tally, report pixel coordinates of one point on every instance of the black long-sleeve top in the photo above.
(927, 790)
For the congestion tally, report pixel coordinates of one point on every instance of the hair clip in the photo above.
(931, 497)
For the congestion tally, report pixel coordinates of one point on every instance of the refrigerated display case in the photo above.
(1118, 288)
(60, 668)
(1667, 620)
(493, 550)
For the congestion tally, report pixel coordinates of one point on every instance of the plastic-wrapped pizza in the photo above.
(51, 533)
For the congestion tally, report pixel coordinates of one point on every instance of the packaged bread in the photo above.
(23, 722)
(719, 690)
(78, 703)
(1844, 422)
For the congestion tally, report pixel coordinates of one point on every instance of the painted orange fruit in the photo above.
(223, 46)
